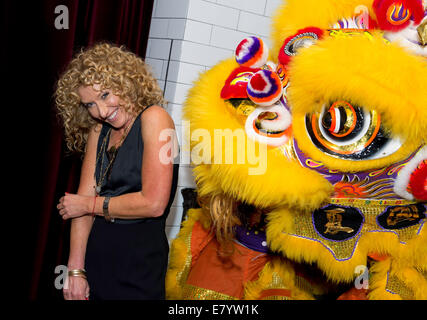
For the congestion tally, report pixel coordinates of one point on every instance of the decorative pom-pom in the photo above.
(418, 182)
(396, 15)
(265, 88)
(251, 52)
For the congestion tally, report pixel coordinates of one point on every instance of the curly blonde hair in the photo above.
(111, 67)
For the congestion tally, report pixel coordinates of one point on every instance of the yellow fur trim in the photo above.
(378, 282)
(415, 251)
(416, 282)
(276, 274)
(296, 14)
(393, 82)
(391, 281)
(180, 254)
(204, 107)
(275, 187)
(280, 183)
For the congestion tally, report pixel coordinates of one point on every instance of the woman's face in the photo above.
(103, 105)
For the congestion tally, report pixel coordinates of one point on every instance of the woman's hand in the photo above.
(76, 288)
(74, 206)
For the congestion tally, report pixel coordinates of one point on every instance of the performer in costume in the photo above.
(109, 104)
(343, 196)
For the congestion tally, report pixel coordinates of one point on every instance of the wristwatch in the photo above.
(105, 210)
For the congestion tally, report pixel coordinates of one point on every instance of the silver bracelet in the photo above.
(105, 210)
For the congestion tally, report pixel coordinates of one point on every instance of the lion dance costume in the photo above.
(340, 104)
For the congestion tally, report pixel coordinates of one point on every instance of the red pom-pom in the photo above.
(302, 38)
(395, 15)
(418, 182)
(265, 88)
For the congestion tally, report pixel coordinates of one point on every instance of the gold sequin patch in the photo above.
(190, 292)
(276, 283)
(370, 209)
(396, 286)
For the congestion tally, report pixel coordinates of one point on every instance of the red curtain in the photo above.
(36, 54)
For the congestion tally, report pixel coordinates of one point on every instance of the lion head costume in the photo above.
(319, 190)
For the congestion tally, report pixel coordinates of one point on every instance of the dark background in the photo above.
(36, 169)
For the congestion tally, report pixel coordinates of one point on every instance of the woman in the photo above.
(109, 104)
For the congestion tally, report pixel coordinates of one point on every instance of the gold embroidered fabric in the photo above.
(396, 286)
(270, 280)
(183, 274)
(370, 209)
(190, 292)
(277, 298)
(397, 282)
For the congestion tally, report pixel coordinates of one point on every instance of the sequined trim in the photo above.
(183, 274)
(190, 292)
(397, 286)
(370, 209)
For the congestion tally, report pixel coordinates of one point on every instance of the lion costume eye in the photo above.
(347, 131)
(342, 121)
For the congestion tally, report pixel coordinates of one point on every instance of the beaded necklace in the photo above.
(113, 153)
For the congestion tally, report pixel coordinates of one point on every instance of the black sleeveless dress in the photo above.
(127, 259)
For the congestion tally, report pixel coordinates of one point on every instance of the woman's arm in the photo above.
(156, 173)
(77, 288)
(81, 226)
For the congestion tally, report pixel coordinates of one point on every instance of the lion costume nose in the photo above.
(418, 181)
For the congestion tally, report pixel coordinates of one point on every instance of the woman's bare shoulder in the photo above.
(157, 116)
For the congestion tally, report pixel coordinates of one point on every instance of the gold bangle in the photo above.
(77, 270)
(77, 273)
